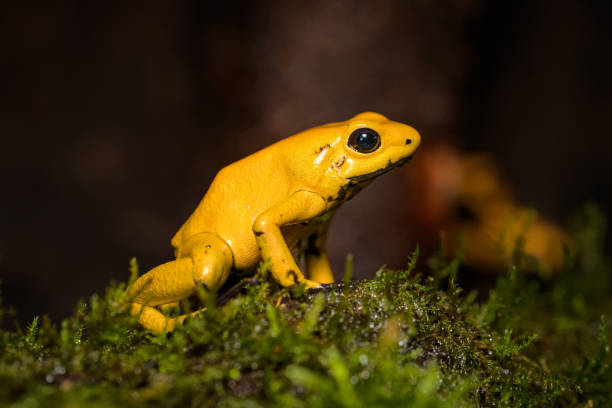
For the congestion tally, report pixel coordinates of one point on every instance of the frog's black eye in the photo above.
(364, 140)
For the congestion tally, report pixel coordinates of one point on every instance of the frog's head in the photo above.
(371, 145)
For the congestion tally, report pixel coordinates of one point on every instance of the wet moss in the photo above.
(403, 338)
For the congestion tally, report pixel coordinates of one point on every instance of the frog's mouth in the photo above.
(390, 166)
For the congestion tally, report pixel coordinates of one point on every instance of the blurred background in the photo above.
(116, 117)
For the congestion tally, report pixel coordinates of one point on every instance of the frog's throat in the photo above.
(390, 166)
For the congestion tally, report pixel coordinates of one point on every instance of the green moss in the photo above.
(401, 339)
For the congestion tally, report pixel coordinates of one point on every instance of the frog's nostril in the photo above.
(408, 141)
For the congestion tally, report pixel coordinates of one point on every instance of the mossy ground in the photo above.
(402, 339)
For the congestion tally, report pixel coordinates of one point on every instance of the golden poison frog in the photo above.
(273, 205)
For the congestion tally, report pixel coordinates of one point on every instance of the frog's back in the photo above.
(238, 194)
(245, 189)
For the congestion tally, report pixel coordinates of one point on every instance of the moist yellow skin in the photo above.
(274, 204)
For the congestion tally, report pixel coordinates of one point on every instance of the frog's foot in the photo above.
(169, 306)
(154, 320)
(319, 269)
(310, 284)
(300, 206)
(205, 260)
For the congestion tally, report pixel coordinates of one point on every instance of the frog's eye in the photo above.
(364, 140)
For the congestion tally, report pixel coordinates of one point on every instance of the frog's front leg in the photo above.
(317, 263)
(299, 207)
(205, 259)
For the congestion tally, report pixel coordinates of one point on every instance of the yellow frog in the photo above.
(273, 205)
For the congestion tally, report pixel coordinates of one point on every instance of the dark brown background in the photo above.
(115, 118)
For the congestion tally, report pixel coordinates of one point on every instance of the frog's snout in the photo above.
(412, 138)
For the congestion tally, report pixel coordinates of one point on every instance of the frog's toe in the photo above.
(169, 306)
(152, 319)
(310, 284)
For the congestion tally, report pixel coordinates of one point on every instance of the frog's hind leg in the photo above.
(205, 260)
